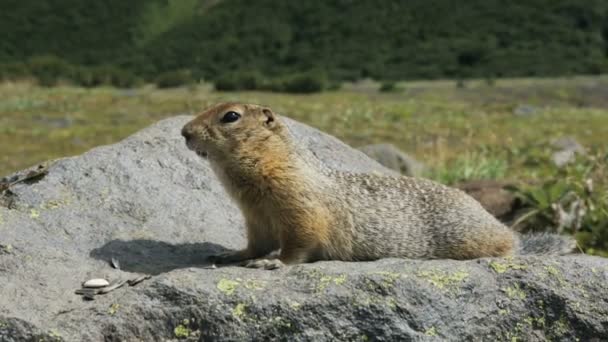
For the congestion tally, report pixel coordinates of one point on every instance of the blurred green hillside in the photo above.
(342, 39)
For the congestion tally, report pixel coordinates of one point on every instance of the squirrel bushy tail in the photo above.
(545, 243)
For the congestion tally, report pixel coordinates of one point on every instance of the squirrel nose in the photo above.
(187, 133)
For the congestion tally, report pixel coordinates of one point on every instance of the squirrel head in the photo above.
(232, 130)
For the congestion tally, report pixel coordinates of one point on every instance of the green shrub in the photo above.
(302, 83)
(172, 79)
(106, 75)
(248, 80)
(574, 200)
(226, 82)
(387, 87)
(49, 69)
(13, 71)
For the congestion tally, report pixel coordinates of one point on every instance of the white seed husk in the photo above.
(95, 283)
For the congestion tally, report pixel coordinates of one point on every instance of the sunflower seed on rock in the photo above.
(95, 283)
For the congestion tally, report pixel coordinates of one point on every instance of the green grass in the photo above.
(438, 123)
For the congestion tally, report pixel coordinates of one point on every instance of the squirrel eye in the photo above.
(230, 117)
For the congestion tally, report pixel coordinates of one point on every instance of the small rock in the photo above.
(95, 283)
(567, 148)
(569, 144)
(391, 157)
(525, 110)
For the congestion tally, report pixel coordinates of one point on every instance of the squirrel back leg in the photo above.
(472, 244)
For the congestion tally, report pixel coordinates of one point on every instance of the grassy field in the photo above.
(478, 129)
(435, 121)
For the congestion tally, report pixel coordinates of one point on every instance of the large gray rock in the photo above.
(158, 209)
(391, 157)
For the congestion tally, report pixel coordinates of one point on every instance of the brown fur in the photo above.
(312, 213)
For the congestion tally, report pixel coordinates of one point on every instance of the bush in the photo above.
(49, 69)
(302, 83)
(387, 87)
(172, 79)
(250, 80)
(107, 75)
(13, 71)
(574, 201)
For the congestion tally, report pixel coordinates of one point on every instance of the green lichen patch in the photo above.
(508, 264)
(113, 309)
(280, 322)
(560, 327)
(239, 311)
(185, 330)
(253, 284)
(535, 322)
(432, 331)
(181, 331)
(442, 279)
(34, 214)
(54, 334)
(227, 286)
(389, 278)
(327, 279)
(54, 204)
(514, 292)
(339, 280)
(555, 273)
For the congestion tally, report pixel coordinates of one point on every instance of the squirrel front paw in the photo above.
(266, 264)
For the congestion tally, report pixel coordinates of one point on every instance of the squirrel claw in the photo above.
(267, 264)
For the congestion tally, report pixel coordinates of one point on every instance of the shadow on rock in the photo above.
(155, 257)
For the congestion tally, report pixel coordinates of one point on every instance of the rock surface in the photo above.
(566, 151)
(158, 209)
(391, 157)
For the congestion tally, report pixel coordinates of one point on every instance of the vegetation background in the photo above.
(477, 89)
(337, 39)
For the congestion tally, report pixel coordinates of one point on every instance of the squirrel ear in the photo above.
(269, 118)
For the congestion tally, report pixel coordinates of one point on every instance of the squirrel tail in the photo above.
(545, 243)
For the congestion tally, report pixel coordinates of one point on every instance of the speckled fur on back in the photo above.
(310, 212)
(410, 217)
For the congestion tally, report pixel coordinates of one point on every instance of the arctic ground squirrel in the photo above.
(311, 213)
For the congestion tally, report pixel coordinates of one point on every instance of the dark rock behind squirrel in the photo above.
(158, 209)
